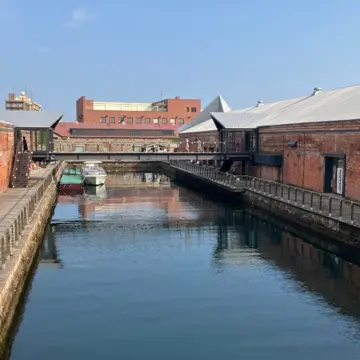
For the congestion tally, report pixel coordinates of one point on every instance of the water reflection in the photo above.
(317, 270)
(155, 264)
(49, 256)
(137, 179)
(242, 239)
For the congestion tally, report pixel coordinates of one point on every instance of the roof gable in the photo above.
(216, 105)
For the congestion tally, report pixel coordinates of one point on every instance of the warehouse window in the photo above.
(103, 119)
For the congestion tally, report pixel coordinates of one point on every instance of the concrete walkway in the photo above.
(17, 207)
(13, 199)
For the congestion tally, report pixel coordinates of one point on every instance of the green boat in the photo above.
(72, 181)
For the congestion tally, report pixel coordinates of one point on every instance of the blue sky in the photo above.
(136, 50)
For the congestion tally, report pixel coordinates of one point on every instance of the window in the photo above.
(156, 121)
(187, 109)
(147, 121)
(103, 119)
(173, 121)
(138, 120)
(121, 119)
(129, 120)
(112, 120)
(121, 132)
(164, 120)
(193, 109)
(181, 121)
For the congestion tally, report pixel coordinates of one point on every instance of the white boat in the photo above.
(95, 193)
(93, 173)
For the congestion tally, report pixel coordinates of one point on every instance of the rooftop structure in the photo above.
(203, 121)
(318, 106)
(21, 102)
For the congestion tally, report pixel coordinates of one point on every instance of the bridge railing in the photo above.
(329, 205)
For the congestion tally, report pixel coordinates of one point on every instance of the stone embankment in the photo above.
(331, 215)
(23, 218)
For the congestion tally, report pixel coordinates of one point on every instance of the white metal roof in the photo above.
(333, 105)
(4, 122)
(216, 105)
(31, 119)
(207, 125)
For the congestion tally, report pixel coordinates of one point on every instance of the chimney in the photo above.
(316, 90)
(12, 96)
(259, 103)
(177, 97)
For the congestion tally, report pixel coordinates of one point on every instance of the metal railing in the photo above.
(16, 159)
(15, 225)
(331, 206)
(233, 182)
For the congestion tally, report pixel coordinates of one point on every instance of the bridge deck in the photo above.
(143, 156)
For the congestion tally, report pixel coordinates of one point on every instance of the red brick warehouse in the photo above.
(311, 141)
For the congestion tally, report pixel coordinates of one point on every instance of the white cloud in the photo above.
(79, 17)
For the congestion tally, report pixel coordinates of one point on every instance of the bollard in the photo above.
(238, 184)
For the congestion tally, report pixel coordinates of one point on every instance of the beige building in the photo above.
(22, 102)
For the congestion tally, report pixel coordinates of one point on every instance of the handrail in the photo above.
(331, 206)
(16, 156)
(21, 216)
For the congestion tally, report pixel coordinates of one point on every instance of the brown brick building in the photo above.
(315, 155)
(21, 102)
(175, 112)
(316, 137)
(125, 127)
(6, 153)
(312, 141)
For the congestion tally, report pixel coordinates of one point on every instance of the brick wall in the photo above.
(304, 165)
(208, 139)
(108, 144)
(6, 154)
(266, 172)
(176, 109)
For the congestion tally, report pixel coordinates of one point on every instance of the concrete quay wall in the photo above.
(335, 230)
(14, 274)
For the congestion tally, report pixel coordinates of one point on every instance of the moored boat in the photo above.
(71, 182)
(93, 173)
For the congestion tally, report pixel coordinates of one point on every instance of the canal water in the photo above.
(145, 269)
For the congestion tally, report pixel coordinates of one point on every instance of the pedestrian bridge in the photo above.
(144, 156)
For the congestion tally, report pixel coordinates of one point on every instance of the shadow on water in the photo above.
(46, 255)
